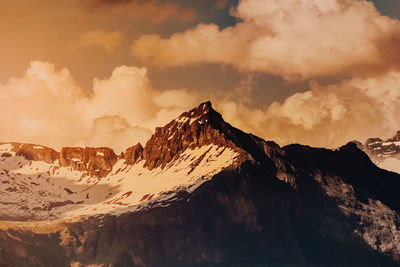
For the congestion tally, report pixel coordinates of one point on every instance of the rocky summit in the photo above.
(384, 153)
(199, 193)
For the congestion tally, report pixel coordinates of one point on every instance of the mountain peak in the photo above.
(203, 113)
(203, 109)
(195, 128)
(199, 127)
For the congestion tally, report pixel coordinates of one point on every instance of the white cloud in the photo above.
(292, 38)
(326, 115)
(115, 132)
(46, 106)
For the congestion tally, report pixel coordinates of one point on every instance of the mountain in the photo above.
(199, 193)
(38, 183)
(386, 154)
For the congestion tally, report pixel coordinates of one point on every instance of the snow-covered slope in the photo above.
(33, 189)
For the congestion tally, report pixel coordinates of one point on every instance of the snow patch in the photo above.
(6, 147)
(391, 143)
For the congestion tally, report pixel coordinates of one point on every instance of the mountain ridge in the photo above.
(88, 181)
(213, 196)
(199, 114)
(195, 128)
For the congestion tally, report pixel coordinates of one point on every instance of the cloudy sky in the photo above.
(106, 72)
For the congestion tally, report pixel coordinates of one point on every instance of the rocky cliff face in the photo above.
(379, 149)
(196, 128)
(277, 206)
(95, 161)
(199, 127)
(133, 154)
(34, 152)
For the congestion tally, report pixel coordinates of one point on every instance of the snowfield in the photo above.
(36, 190)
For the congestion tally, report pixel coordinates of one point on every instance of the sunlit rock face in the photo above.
(95, 161)
(199, 127)
(133, 154)
(33, 152)
(199, 193)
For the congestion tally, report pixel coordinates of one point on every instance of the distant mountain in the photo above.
(384, 153)
(199, 193)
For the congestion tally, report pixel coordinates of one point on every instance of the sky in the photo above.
(107, 72)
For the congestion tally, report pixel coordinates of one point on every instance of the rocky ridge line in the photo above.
(198, 127)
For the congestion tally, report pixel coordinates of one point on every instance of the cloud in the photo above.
(109, 41)
(153, 11)
(46, 106)
(291, 38)
(390, 164)
(115, 132)
(326, 115)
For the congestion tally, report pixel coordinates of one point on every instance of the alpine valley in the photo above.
(199, 193)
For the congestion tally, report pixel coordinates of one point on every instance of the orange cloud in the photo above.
(109, 41)
(46, 106)
(115, 132)
(294, 39)
(326, 115)
(153, 11)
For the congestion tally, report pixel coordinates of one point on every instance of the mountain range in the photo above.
(199, 193)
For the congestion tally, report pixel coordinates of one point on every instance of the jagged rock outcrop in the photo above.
(379, 149)
(190, 130)
(95, 161)
(34, 152)
(133, 154)
(198, 127)
(73, 157)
